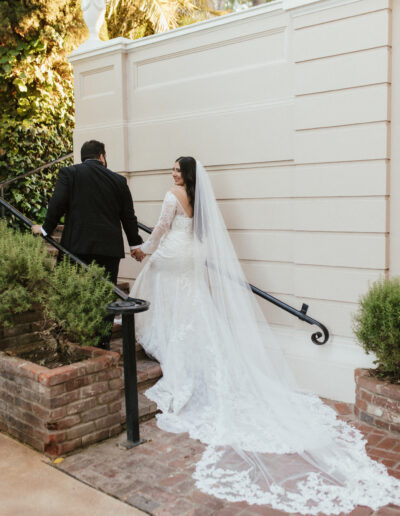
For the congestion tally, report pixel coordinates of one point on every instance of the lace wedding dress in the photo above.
(226, 382)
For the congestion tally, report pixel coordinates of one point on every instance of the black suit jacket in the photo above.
(95, 201)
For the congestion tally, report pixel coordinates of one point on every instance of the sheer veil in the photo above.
(267, 441)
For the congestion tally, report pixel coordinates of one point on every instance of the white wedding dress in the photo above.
(226, 382)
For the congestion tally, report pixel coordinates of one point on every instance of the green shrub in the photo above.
(73, 298)
(25, 267)
(77, 302)
(377, 326)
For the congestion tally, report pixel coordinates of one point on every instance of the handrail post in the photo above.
(128, 309)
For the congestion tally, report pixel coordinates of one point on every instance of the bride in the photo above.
(225, 380)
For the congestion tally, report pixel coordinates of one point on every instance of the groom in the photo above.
(95, 201)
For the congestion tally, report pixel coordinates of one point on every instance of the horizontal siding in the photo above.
(344, 179)
(273, 277)
(315, 282)
(361, 215)
(129, 268)
(346, 143)
(371, 30)
(238, 214)
(364, 215)
(354, 179)
(344, 71)
(337, 316)
(354, 250)
(275, 246)
(229, 183)
(333, 284)
(344, 107)
(338, 11)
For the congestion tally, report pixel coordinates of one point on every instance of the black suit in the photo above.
(95, 201)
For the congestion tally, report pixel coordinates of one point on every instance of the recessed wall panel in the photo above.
(257, 134)
(239, 53)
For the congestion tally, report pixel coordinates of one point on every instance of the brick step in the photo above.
(147, 409)
(51, 250)
(148, 370)
(116, 345)
(148, 373)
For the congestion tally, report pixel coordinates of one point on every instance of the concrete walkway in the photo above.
(29, 485)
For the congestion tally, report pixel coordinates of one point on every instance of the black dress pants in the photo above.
(111, 265)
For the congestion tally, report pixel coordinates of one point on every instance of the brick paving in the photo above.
(156, 476)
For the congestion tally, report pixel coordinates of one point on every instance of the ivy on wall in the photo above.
(36, 94)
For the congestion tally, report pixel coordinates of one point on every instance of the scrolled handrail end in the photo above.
(315, 337)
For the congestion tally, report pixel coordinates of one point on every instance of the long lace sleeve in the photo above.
(167, 215)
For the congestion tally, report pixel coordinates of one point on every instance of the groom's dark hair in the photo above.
(92, 150)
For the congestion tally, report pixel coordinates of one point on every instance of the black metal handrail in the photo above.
(120, 293)
(300, 314)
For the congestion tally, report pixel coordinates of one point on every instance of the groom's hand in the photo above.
(36, 229)
(138, 254)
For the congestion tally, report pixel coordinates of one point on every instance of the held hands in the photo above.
(36, 229)
(138, 254)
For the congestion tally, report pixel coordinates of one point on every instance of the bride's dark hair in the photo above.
(188, 170)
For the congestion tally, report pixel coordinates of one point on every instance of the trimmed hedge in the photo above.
(377, 326)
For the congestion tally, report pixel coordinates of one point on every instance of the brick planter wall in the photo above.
(377, 402)
(62, 409)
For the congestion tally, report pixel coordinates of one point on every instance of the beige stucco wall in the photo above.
(288, 105)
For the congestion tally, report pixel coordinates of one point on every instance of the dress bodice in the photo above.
(182, 223)
(172, 218)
